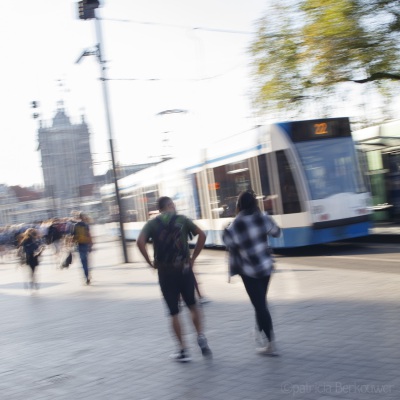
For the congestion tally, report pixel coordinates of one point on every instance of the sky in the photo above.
(186, 55)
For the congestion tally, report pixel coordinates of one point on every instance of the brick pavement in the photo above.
(337, 330)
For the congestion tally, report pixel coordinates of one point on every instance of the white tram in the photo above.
(306, 175)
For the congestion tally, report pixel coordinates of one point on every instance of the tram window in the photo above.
(230, 180)
(394, 162)
(129, 213)
(290, 196)
(331, 167)
(145, 202)
(150, 197)
(110, 208)
(194, 182)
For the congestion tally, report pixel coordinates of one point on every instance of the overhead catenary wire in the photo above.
(216, 76)
(194, 28)
(200, 28)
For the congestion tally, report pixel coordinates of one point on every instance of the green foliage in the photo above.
(305, 49)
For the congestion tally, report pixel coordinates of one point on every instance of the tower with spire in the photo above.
(66, 157)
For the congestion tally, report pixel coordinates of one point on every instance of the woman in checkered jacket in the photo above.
(246, 239)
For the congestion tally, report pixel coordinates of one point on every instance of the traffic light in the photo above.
(35, 105)
(81, 10)
(87, 7)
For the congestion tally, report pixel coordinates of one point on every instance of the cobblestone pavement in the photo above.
(337, 332)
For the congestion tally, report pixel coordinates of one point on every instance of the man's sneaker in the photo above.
(205, 350)
(269, 350)
(181, 356)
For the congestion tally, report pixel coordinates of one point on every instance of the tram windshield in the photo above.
(331, 167)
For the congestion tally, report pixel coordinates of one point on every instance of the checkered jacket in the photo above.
(246, 239)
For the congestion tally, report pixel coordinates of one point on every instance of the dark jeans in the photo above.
(83, 254)
(257, 289)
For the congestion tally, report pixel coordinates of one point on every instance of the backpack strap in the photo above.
(170, 223)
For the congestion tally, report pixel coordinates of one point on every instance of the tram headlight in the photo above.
(319, 212)
(317, 209)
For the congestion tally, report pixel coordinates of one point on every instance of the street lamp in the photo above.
(87, 10)
(173, 111)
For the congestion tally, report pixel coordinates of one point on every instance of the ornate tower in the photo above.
(66, 157)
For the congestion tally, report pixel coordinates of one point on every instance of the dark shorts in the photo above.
(173, 285)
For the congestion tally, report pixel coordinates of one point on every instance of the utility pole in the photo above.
(87, 10)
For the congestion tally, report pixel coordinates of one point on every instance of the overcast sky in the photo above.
(162, 54)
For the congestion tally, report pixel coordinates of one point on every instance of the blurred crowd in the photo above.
(53, 231)
(26, 242)
(49, 231)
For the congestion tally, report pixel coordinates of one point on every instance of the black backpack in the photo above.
(171, 251)
(53, 234)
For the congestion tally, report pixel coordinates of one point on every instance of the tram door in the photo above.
(281, 195)
(270, 196)
(228, 181)
(224, 183)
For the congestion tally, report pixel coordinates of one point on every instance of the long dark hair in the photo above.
(247, 202)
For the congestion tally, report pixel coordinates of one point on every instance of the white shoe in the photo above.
(181, 356)
(259, 338)
(269, 350)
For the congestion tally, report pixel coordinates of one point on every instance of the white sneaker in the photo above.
(259, 338)
(269, 350)
(181, 356)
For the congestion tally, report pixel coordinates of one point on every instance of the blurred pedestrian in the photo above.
(54, 236)
(82, 237)
(246, 239)
(169, 232)
(30, 244)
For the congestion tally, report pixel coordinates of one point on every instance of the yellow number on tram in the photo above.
(321, 129)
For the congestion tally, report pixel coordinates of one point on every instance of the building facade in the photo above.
(66, 157)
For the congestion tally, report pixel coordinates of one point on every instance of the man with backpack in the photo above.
(169, 233)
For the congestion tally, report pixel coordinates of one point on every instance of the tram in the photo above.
(305, 173)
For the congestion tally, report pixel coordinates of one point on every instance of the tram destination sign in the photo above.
(318, 129)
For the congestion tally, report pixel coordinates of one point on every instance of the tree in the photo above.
(308, 48)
